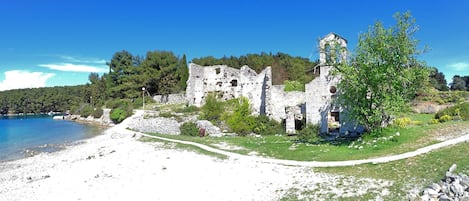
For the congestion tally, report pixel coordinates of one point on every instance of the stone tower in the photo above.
(321, 92)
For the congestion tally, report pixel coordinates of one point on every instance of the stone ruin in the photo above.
(314, 106)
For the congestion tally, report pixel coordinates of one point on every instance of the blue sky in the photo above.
(59, 42)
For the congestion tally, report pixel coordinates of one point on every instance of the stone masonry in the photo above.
(316, 104)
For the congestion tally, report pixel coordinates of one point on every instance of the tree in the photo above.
(459, 83)
(437, 80)
(383, 75)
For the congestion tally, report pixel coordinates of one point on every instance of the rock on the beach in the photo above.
(451, 187)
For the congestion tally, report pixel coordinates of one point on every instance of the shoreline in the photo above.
(117, 166)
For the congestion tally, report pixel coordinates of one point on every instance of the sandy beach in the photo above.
(117, 166)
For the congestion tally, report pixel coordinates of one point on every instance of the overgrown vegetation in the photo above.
(457, 112)
(236, 113)
(381, 78)
(293, 86)
(309, 134)
(189, 129)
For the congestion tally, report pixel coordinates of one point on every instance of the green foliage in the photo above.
(265, 126)
(445, 118)
(293, 85)
(309, 134)
(160, 72)
(187, 109)
(460, 83)
(213, 109)
(118, 115)
(97, 113)
(241, 121)
(437, 80)
(189, 129)
(86, 111)
(457, 112)
(434, 121)
(41, 100)
(284, 66)
(384, 74)
(402, 122)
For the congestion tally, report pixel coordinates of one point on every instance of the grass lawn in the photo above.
(390, 143)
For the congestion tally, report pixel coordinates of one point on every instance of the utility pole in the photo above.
(143, 97)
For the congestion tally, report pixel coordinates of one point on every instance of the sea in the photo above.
(24, 136)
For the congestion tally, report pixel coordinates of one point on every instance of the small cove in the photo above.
(23, 136)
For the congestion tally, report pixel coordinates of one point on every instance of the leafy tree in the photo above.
(460, 83)
(437, 80)
(384, 73)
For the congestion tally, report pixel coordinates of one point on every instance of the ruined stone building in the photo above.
(314, 106)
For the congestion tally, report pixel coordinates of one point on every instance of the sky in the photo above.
(60, 42)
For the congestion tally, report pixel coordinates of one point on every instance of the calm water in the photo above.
(22, 136)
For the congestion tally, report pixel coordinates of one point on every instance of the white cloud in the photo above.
(76, 68)
(83, 60)
(460, 66)
(18, 79)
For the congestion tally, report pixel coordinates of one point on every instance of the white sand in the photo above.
(115, 166)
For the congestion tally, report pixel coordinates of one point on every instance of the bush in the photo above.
(434, 121)
(86, 111)
(241, 121)
(459, 112)
(445, 118)
(213, 109)
(309, 134)
(293, 86)
(402, 122)
(118, 115)
(265, 126)
(97, 113)
(189, 129)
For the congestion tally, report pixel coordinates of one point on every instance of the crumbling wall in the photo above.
(170, 99)
(282, 100)
(228, 83)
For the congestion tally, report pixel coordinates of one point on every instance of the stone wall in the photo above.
(283, 100)
(228, 83)
(170, 99)
(316, 104)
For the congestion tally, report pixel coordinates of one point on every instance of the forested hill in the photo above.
(42, 100)
(284, 66)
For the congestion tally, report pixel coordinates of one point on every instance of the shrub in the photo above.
(189, 129)
(213, 109)
(459, 111)
(265, 126)
(309, 134)
(241, 121)
(445, 118)
(86, 111)
(293, 86)
(402, 122)
(97, 113)
(118, 115)
(434, 121)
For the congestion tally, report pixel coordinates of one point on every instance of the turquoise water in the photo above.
(22, 136)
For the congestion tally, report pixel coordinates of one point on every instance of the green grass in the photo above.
(412, 173)
(285, 147)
